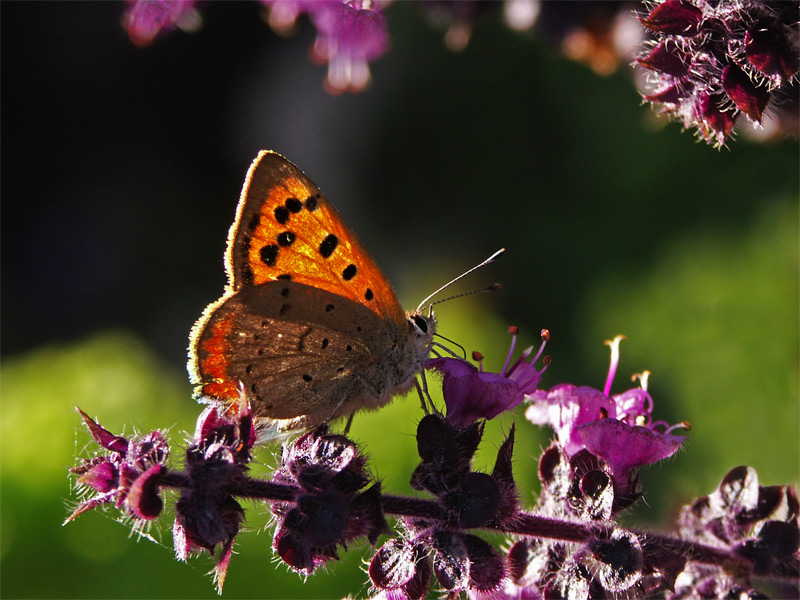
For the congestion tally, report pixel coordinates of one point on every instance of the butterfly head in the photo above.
(421, 328)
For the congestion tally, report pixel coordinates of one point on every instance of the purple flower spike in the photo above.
(471, 394)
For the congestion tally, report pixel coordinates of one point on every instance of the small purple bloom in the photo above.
(666, 57)
(350, 36)
(471, 394)
(619, 429)
(146, 19)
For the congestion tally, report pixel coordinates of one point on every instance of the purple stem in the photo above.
(527, 524)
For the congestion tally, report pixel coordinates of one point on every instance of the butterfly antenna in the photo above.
(491, 259)
(489, 288)
(463, 350)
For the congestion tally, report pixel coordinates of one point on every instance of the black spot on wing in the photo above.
(328, 245)
(282, 215)
(294, 205)
(269, 255)
(286, 238)
(349, 272)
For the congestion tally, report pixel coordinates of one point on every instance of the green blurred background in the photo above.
(121, 171)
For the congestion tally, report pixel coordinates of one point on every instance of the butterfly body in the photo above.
(309, 328)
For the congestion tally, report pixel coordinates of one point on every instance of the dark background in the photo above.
(121, 168)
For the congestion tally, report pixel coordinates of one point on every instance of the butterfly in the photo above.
(308, 327)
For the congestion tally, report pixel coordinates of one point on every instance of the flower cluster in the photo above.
(127, 476)
(466, 499)
(206, 514)
(331, 507)
(713, 61)
(619, 429)
(571, 544)
(758, 523)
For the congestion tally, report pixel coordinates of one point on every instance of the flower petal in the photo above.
(625, 447)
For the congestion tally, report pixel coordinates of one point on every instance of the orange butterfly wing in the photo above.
(285, 228)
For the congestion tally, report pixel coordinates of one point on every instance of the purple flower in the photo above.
(471, 394)
(712, 61)
(350, 35)
(127, 476)
(619, 429)
(145, 19)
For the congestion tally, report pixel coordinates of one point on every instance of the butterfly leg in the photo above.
(422, 400)
(424, 395)
(349, 423)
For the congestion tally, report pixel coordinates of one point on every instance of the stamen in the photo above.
(612, 369)
(642, 377)
(685, 425)
(478, 357)
(513, 330)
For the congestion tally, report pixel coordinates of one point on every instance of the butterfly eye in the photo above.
(420, 323)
